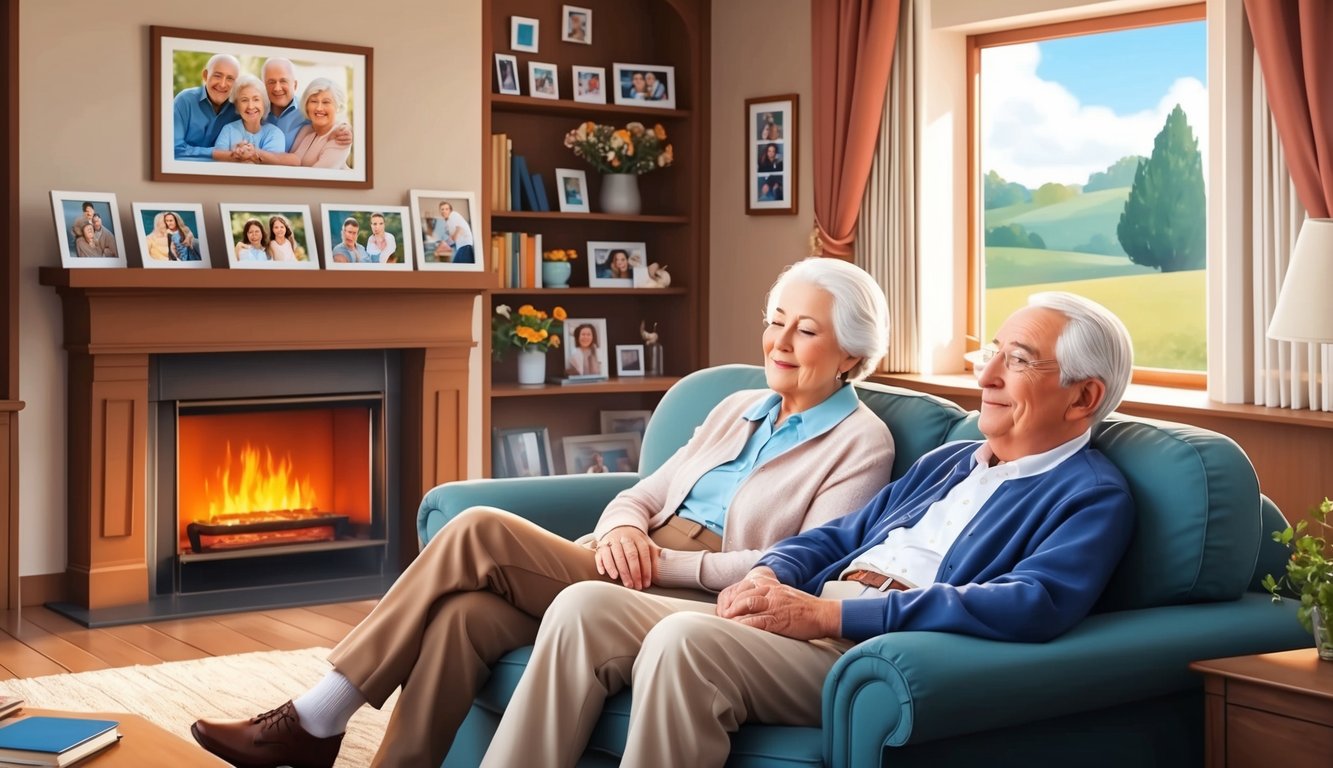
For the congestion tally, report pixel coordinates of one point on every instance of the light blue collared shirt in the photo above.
(195, 126)
(268, 139)
(289, 122)
(709, 499)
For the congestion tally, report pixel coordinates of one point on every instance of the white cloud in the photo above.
(1037, 131)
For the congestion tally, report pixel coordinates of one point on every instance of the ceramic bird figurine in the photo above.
(658, 275)
(649, 337)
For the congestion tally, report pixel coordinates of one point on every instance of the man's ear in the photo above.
(1091, 392)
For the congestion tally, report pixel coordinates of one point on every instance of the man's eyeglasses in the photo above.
(1014, 361)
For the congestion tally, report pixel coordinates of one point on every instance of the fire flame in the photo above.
(259, 487)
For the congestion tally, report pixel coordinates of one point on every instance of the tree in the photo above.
(998, 193)
(1051, 193)
(1162, 224)
(1013, 236)
(1118, 174)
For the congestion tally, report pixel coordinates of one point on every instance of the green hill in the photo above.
(1068, 225)
(998, 216)
(1008, 267)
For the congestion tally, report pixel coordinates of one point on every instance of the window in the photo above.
(1088, 176)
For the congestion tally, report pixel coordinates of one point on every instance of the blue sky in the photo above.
(1127, 71)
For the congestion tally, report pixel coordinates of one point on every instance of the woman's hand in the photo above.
(626, 553)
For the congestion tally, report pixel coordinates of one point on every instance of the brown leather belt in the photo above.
(696, 531)
(874, 580)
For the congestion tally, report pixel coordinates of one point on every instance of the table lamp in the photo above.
(1305, 304)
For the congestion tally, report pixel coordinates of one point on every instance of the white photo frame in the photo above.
(644, 85)
(543, 80)
(629, 360)
(523, 32)
(571, 187)
(619, 452)
(163, 246)
(585, 357)
(296, 250)
(603, 263)
(589, 84)
(370, 248)
(437, 247)
(576, 24)
(72, 209)
(506, 74)
(625, 421)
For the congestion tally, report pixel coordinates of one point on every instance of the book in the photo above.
(518, 171)
(590, 378)
(57, 741)
(10, 704)
(539, 187)
(525, 178)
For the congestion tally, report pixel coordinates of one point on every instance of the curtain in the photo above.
(886, 228)
(852, 49)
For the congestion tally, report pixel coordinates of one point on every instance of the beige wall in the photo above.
(84, 123)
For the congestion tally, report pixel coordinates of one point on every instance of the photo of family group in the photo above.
(595, 454)
(238, 107)
(443, 221)
(172, 235)
(267, 236)
(770, 165)
(87, 226)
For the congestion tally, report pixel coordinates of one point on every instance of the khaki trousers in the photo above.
(696, 679)
(476, 592)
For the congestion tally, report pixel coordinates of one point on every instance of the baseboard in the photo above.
(42, 588)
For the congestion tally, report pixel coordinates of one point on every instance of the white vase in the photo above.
(531, 366)
(620, 193)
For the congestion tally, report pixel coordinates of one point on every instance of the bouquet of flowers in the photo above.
(528, 328)
(560, 254)
(632, 149)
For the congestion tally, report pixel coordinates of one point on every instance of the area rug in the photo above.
(175, 694)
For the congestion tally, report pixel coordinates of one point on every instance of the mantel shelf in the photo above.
(131, 279)
(620, 384)
(620, 217)
(590, 291)
(528, 105)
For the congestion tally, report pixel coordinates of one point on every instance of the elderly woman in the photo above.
(696, 525)
(315, 145)
(241, 140)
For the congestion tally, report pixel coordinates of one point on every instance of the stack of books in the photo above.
(55, 741)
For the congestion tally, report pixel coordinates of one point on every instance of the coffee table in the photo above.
(141, 743)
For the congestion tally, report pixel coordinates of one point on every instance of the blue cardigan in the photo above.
(1029, 566)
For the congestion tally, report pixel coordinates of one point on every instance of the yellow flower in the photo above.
(659, 132)
(555, 341)
(541, 315)
(559, 313)
(542, 334)
(527, 311)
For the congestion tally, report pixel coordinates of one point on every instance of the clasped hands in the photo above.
(761, 601)
(244, 152)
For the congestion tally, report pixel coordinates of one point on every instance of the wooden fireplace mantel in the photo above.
(115, 319)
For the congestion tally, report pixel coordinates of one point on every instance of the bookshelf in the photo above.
(673, 224)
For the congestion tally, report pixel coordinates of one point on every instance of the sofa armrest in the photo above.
(910, 687)
(566, 504)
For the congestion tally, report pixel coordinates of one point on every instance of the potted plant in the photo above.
(1309, 575)
(621, 154)
(556, 268)
(531, 331)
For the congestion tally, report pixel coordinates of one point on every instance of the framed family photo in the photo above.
(611, 263)
(770, 156)
(577, 26)
(367, 237)
(88, 229)
(171, 235)
(571, 185)
(521, 452)
(248, 109)
(269, 236)
(594, 454)
(506, 74)
(585, 348)
(625, 421)
(645, 85)
(543, 80)
(588, 84)
(442, 221)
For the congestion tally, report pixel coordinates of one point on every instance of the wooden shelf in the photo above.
(617, 217)
(620, 384)
(261, 279)
(528, 105)
(636, 292)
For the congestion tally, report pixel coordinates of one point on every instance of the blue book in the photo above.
(529, 194)
(518, 176)
(55, 741)
(540, 189)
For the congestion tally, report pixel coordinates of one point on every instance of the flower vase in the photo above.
(620, 193)
(531, 366)
(653, 365)
(555, 274)
(1323, 633)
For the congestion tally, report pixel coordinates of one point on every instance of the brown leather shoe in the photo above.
(272, 739)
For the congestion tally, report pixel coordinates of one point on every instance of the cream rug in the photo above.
(175, 694)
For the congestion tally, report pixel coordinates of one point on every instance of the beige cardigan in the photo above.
(817, 481)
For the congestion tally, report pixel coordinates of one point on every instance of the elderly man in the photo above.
(199, 113)
(1011, 538)
(280, 81)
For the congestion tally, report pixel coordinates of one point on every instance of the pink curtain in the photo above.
(1292, 38)
(852, 49)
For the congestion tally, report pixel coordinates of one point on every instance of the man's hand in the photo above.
(760, 601)
(342, 136)
(626, 553)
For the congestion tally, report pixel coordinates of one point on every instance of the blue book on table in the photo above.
(540, 189)
(45, 739)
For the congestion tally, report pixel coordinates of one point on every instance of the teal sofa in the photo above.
(1114, 691)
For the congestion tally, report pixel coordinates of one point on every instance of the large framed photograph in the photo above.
(443, 223)
(571, 184)
(521, 452)
(645, 85)
(171, 235)
(585, 348)
(770, 157)
(269, 236)
(593, 454)
(625, 421)
(367, 237)
(611, 263)
(88, 229)
(247, 109)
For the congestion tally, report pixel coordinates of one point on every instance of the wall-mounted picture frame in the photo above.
(571, 187)
(625, 421)
(521, 452)
(88, 229)
(611, 263)
(171, 235)
(594, 454)
(506, 74)
(367, 237)
(585, 348)
(589, 84)
(770, 155)
(629, 359)
(269, 236)
(442, 221)
(645, 85)
(314, 100)
(543, 80)
(523, 33)
(576, 26)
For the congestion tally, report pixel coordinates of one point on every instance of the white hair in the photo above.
(319, 85)
(227, 57)
(860, 311)
(1094, 344)
(249, 81)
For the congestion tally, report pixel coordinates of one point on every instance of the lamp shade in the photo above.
(1305, 305)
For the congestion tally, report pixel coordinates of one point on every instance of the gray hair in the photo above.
(860, 311)
(249, 81)
(220, 57)
(319, 85)
(1093, 345)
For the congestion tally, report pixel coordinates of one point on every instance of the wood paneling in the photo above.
(9, 315)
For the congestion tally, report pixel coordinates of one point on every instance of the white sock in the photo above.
(325, 709)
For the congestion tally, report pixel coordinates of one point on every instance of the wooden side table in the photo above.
(1268, 709)
(141, 743)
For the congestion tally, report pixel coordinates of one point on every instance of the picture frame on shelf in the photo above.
(543, 80)
(594, 454)
(611, 263)
(506, 74)
(625, 421)
(521, 452)
(629, 359)
(188, 65)
(285, 238)
(375, 237)
(576, 24)
(171, 235)
(83, 243)
(571, 186)
(585, 349)
(771, 160)
(645, 85)
(523, 33)
(589, 84)
(445, 236)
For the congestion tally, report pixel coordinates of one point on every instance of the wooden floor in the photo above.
(43, 642)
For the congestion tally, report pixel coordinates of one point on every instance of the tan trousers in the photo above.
(476, 592)
(696, 679)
